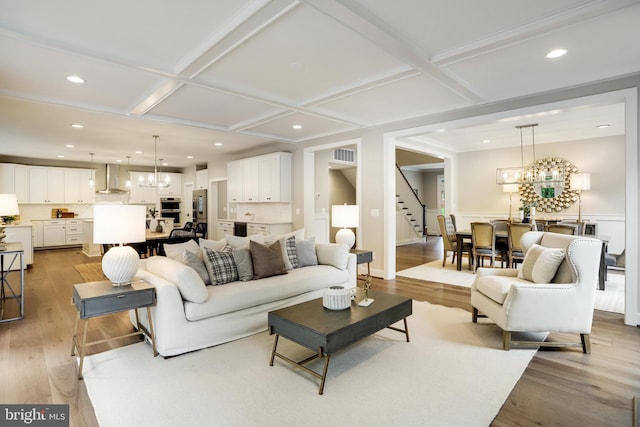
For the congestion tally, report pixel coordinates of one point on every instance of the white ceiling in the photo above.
(243, 72)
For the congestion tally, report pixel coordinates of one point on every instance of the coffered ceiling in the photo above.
(244, 72)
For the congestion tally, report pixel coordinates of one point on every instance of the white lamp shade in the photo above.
(345, 216)
(119, 224)
(581, 181)
(9, 205)
(510, 188)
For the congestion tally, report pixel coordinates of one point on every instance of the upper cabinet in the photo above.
(141, 194)
(175, 185)
(260, 179)
(76, 186)
(14, 179)
(202, 179)
(46, 184)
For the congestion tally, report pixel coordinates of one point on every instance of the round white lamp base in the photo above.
(346, 236)
(120, 264)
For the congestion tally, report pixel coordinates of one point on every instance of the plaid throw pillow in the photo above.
(292, 252)
(220, 265)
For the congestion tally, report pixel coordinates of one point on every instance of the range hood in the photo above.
(113, 191)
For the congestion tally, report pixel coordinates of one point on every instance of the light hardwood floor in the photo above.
(559, 388)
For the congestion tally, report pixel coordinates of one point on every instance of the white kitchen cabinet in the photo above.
(46, 185)
(260, 179)
(21, 233)
(175, 187)
(202, 179)
(88, 247)
(141, 195)
(224, 227)
(38, 233)
(73, 232)
(268, 228)
(234, 181)
(14, 179)
(76, 186)
(275, 177)
(54, 232)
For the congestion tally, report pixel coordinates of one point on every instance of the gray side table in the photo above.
(10, 300)
(95, 299)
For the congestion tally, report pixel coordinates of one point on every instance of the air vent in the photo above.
(344, 155)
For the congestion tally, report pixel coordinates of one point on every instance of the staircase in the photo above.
(412, 208)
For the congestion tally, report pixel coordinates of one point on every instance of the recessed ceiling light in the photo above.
(189, 157)
(69, 145)
(218, 144)
(75, 79)
(138, 152)
(556, 53)
(119, 161)
(603, 126)
(60, 156)
(297, 126)
(485, 141)
(165, 164)
(77, 126)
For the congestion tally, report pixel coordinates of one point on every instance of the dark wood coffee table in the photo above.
(326, 331)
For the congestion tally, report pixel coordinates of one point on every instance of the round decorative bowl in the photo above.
(337, 298)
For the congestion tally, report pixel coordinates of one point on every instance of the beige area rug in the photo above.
(452, 373)
(91, 272)
(611, 299)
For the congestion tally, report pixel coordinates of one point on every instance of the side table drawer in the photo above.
(114, 303)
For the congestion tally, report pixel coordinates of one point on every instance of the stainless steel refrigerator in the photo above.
(200, 208)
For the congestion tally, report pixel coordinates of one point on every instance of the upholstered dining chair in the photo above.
(450, 240)
(502, 245)
(483, 241)
(553, 291)
(514, 234)
(562, 229)
(580, 226)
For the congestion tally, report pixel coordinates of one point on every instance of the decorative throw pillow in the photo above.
(175, 250)
(220, 265)
(241, 242)
(216, 245)
(306, 252)
(540, 264)
(242, 257)
(194, 261)
(267, 261)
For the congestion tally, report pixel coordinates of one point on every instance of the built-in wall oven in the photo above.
(171, 207)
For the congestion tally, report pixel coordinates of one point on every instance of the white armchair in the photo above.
(564, 304)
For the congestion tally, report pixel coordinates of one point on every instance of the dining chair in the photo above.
(450, 240)
(580, 225)
(483, 240)
(502, 244)
(562, 229)
(514, 233)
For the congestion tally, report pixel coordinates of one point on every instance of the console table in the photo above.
(95, 299)
(8, 257)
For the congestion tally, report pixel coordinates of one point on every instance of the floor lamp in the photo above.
(580, 182)
(510, 188)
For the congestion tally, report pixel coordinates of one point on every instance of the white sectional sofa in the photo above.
(186, 319)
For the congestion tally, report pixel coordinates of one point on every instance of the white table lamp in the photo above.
(8, 207)
(119, 224)
(345, 216)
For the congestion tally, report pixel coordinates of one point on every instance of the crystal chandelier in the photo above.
(540, 174)
(154, 180)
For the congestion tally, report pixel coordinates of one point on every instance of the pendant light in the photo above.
(154, 180)
(92, 180)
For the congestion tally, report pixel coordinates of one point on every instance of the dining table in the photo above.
(462, 235)
(154, 239)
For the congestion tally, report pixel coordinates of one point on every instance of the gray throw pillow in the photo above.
(267, 261)
(197, 263)
(306, 252)
(242, 257)
(220, 266)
